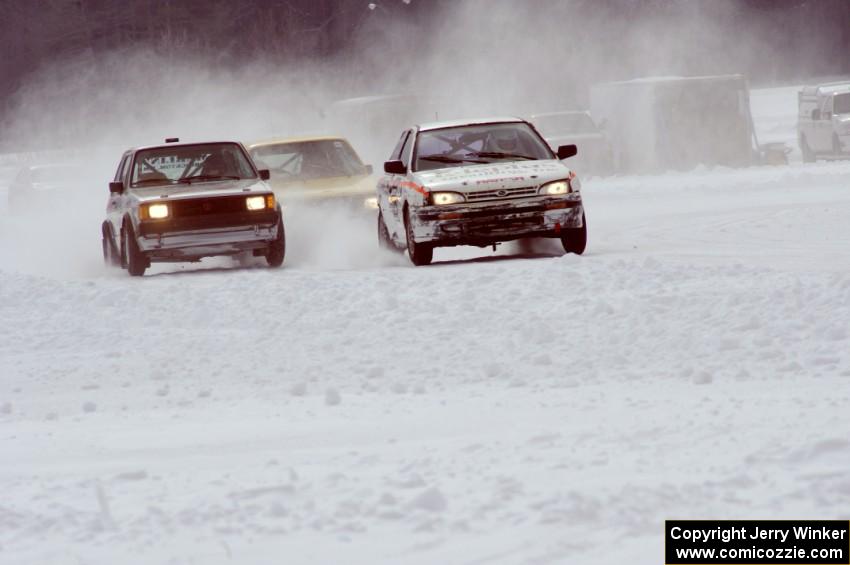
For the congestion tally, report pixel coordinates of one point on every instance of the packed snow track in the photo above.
(516, 408)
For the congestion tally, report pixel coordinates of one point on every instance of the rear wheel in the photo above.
(134, 259)
(808, 155)
(574, 240)
(277, 250)
(384, 239)
(419, 253)
(111, 258)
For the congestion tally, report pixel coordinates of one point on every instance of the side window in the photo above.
(408, 149)
(396, 154)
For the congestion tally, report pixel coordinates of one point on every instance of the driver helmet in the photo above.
(215, 165)
(505, 140)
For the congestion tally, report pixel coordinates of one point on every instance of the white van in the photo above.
(823, 125)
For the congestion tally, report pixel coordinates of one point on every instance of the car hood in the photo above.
(199, 190)
(325, 189)
(493, 176)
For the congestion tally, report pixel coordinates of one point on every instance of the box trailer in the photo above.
(667, 123)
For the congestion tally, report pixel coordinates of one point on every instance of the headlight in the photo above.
(371, 202)
(441, 198)
(260, 202)
(154, 211)
(557, 187)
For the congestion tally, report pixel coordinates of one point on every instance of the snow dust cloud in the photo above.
(470, 58)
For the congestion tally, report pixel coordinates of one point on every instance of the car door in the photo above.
(823, 127)
(115, 205)
(406, 179)
(390, 190)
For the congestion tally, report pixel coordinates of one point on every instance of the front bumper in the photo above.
(192, 238)
(491, 222)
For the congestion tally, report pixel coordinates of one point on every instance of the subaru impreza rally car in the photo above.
(477, 182)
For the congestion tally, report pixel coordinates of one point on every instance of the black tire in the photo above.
(574, 240)
(132, 257)
(420, 253)
(384, 239)
(277, 250)
(808, 155)
(111, 257)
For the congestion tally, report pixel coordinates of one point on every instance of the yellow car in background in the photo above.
(317, 171)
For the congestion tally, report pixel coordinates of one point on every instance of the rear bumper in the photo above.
(191, 238)
(493, 222)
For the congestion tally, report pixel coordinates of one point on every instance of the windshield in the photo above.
(560, 124)
(841, 103)
(191, 163)
(306, 160)
(482, 143)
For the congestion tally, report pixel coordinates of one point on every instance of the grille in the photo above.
(501, 194)
(206, 206)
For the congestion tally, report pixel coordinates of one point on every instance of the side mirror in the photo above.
(567, 151)
(369, 169)
(264, 174)
(815, 114)
(395, 168)
(116, 187)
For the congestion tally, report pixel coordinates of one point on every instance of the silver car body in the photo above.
(823, 124)
(209, 218)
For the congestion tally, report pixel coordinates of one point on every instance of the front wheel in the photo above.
(574, 240)
(419, 253)
(134, 259)
(277, 249)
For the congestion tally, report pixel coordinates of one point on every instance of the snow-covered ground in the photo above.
(350, 408)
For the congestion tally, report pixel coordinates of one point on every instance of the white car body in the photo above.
(501, 200)
(823, 123)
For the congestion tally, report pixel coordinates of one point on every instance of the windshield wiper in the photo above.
(188, 180)
(500, 155)
(152, 181)
(447, 159)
